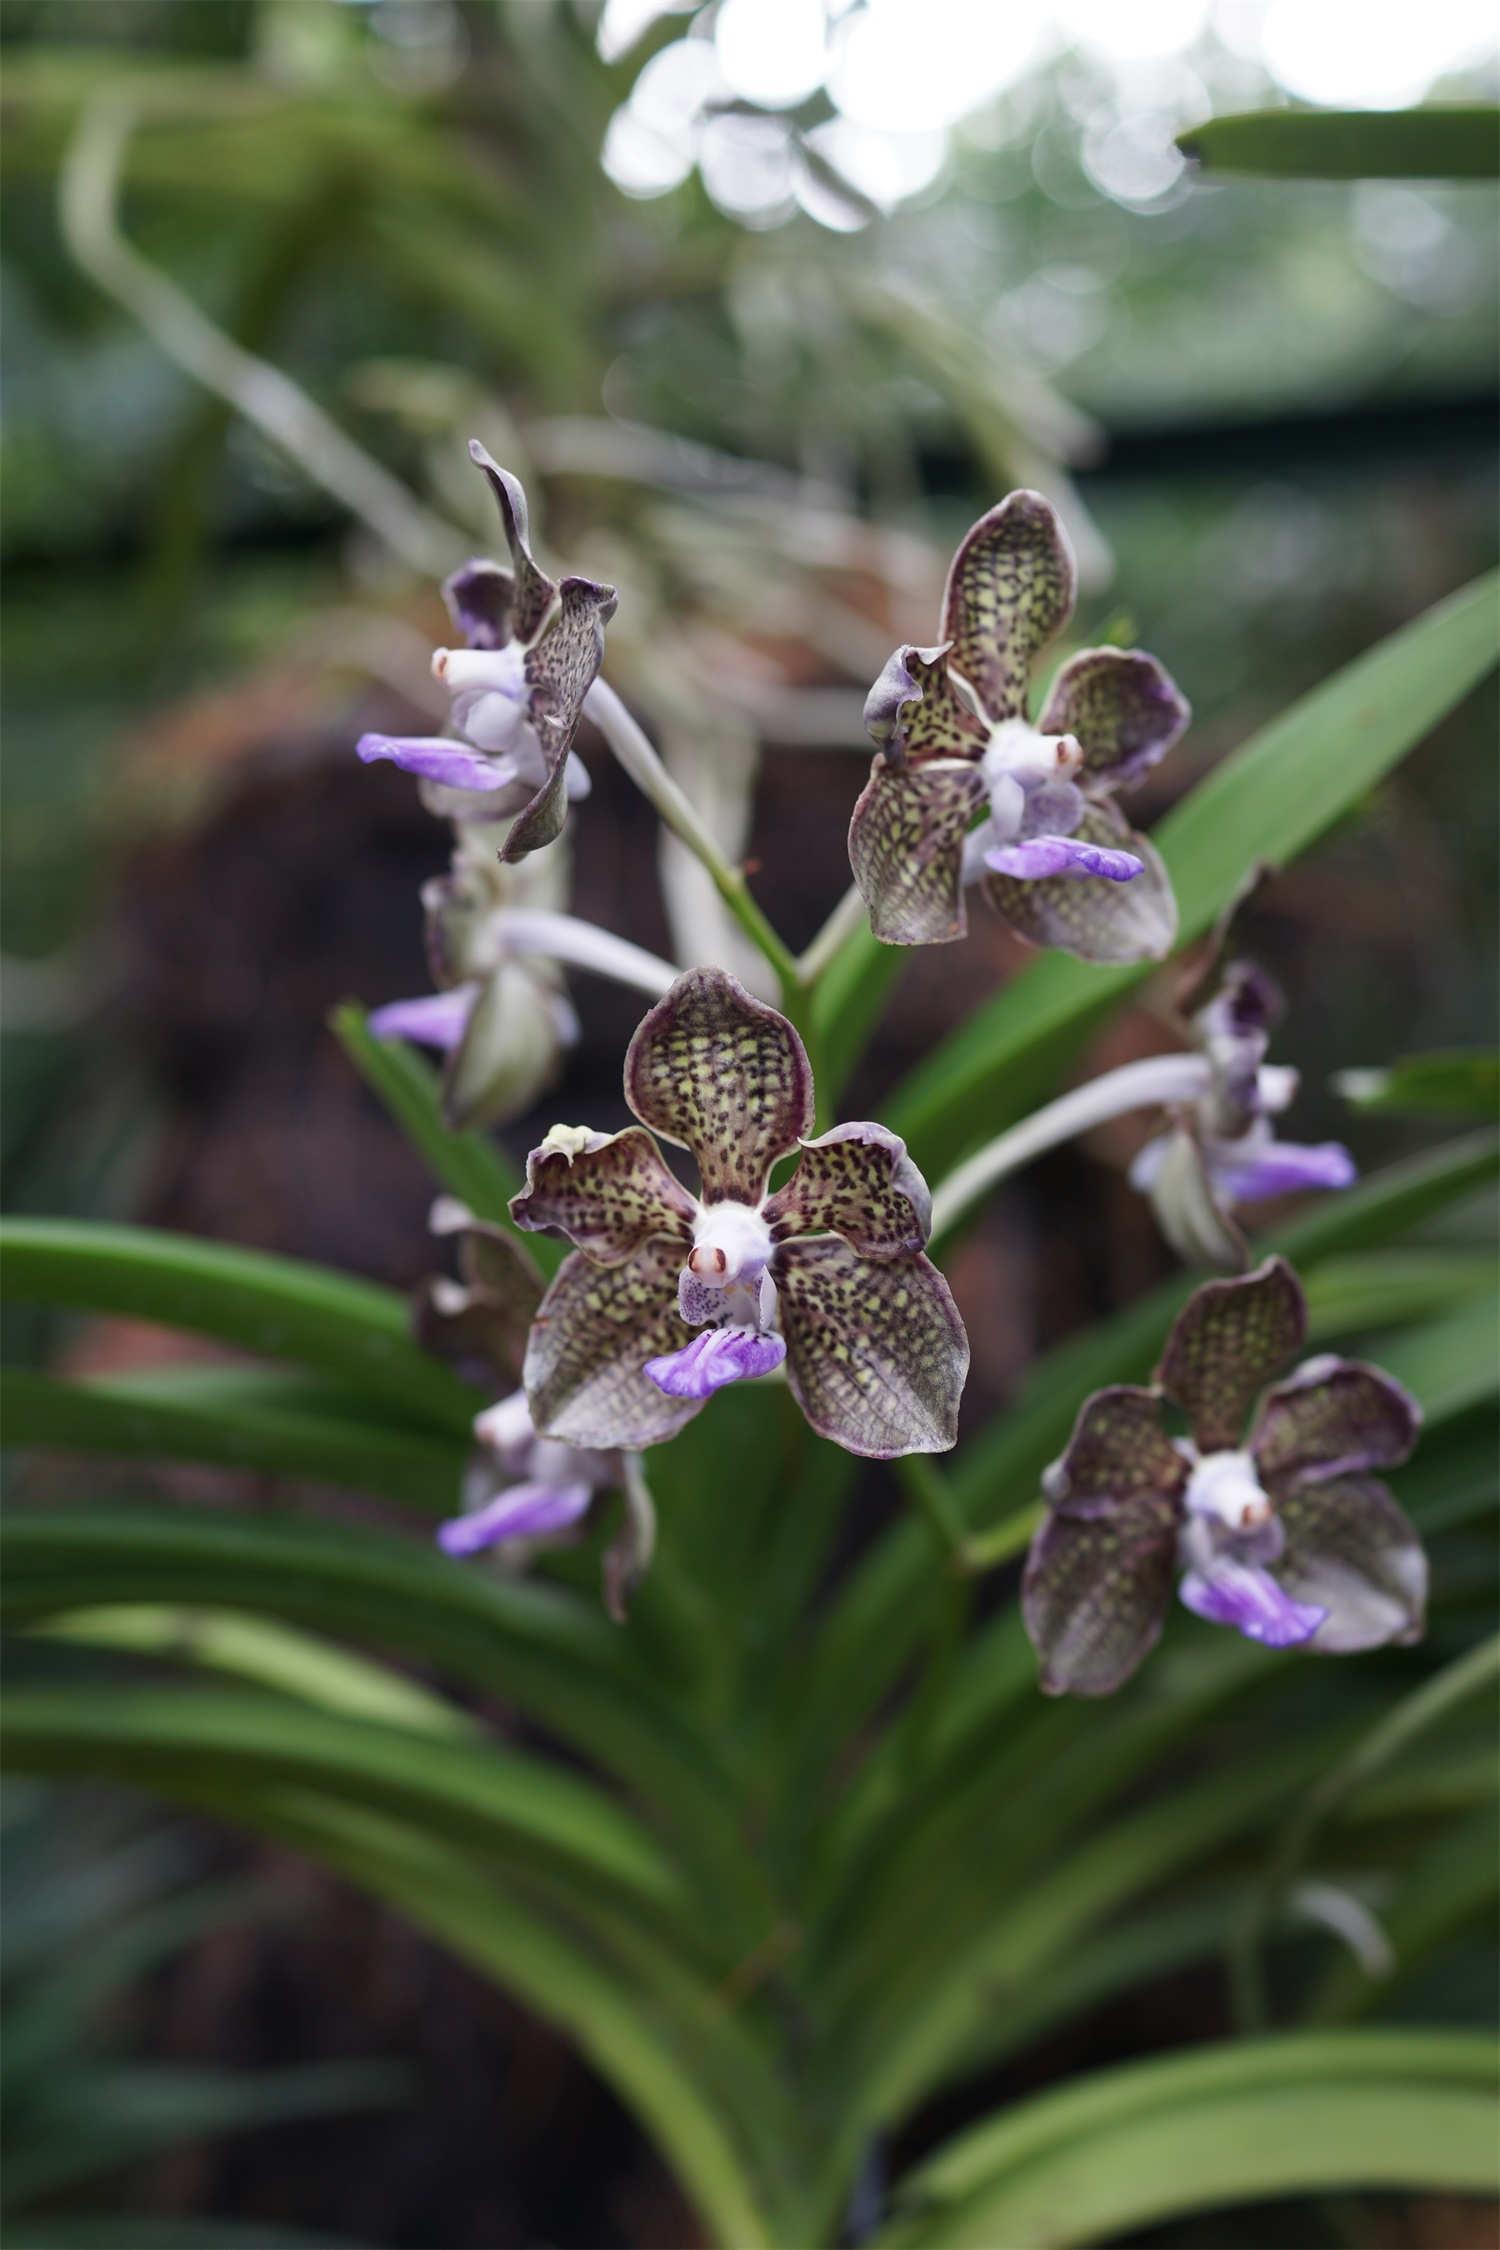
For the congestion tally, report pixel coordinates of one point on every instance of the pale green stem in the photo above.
(583, 945)
(88, 196)
(848, 916)
(1155, 1084)
(635, 753)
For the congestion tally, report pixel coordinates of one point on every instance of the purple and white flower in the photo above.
(965, 788)
(825, 1275)
(500, 1017)
(1283, 1533)
(1222, 1149)
(534, 647)
(520, 1490)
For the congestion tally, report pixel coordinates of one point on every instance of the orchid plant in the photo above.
(820, 1848)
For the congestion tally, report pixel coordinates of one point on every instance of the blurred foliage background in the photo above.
(764, 317)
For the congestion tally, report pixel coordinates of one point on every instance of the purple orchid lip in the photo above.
(1251, 1601)
(438, 1019)
(522, 1511)
(435, 758)
(1061, 855)
(1281, 1168)
(717, 1357)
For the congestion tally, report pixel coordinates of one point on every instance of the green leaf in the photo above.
(675, 2052)
(1441, 141)
(244, 1417)
(531, 1816)
(1266, 802)
(558, 1658)
(271, 1655)
(1129, 2148)
(468, 1165)
(1455, 1082)
(279, 1307)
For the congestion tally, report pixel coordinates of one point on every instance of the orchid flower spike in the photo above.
(955, 743)
(1222, 1150)
(533, 649)
(825, 1275)
(501, 1016)
(1285, 1534)
(520, 1490)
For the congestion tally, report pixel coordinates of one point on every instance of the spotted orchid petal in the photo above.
(435, 758)
(915, 712)
(479, 1323)
(906, 848)
(586, 1380)
(1333, 1418)
(1010, 591)
(607, 1194)
(1229, 1341)
(1250, 1600)
(876, 1354)
(1259, 1169)
(1040, 856)
(560, 668)
(1097, 1587)
(856, 1181)
(521, 1511)
(1119, 1446)
(1121, 707)
(1099, 920)
(481, 600)
(534, 592)
(1353, 1552)
(714, 1358)
(721, 1074)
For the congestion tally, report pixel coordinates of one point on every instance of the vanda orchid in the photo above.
(521, 1490)
(782, 1832)
(1279, 1529)
(669, 1295)
(1220, 1149)
(966, 789)
(534, 647)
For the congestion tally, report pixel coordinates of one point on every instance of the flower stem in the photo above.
(563, 937)
(1155, 1083)
(635, 753)
(847, 917)
(929, 1490)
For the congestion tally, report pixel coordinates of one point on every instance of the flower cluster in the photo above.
(964, 788)
(801, 1255)
(1281, 1531)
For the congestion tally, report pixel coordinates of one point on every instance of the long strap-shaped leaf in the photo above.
(278, 1307)
(1219, 2125)
(262, 1418)
(531, 1814)
(675, 2051)
(556, 1657)
(1267, 802)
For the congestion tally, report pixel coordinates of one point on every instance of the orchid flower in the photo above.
(1221, 1149)
(1284, 1534)
(1055, 857)
(500, 1016)
(534, 647)
(825, 1274)
(520, 1490)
